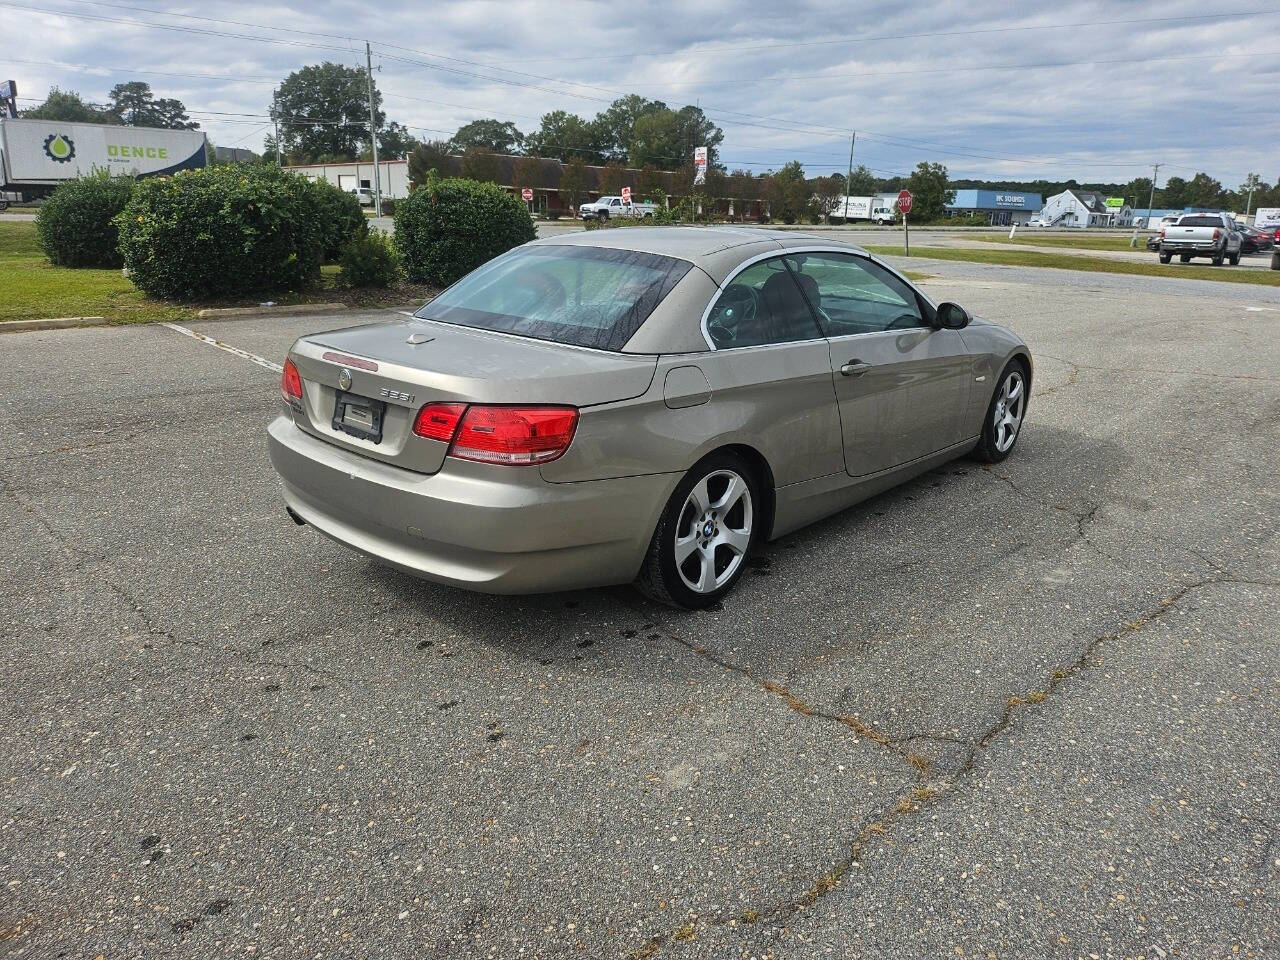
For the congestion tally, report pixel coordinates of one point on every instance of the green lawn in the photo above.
(1071, 261)
(1108, 241)
(31, 288)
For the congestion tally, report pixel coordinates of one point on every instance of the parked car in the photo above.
(607, 207)
(1153, 242)
(637, 405)
(1255, 241)
(1212, 235)
(364, 195)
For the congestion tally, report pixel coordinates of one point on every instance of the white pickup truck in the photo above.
(607, 207)
(1212, 235)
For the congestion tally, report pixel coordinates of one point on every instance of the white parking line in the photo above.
(243, 354)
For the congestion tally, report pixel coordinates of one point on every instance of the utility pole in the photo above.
(275, 118)
(373, 133)
(1155, 173)
(1249, 205)
(853, 137)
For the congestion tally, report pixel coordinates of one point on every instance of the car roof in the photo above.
(698, 245)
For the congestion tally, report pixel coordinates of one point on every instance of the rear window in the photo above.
(1200, 222)
(585, 296)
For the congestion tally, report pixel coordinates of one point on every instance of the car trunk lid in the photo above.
(402, 365)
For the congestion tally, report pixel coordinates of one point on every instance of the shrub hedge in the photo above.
(76, 224)
(447, 228)
(370, 261)
(341, 218)
(223, 231)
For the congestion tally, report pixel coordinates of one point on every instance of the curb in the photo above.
(230, 313)
(52, 323)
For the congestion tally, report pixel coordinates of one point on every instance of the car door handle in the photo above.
(854, 368)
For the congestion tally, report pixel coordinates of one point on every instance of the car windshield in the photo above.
(585, 296)
(1200, 222)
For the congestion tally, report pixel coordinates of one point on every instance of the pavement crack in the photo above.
(926, 793)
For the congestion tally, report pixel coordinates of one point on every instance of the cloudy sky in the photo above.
(1094, 90)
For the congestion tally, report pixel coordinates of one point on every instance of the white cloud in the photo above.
(976, 85)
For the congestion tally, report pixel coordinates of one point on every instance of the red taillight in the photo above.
(290, 382)
(1161, 234)
(1216, 234)
(438, 421)
(514, 436)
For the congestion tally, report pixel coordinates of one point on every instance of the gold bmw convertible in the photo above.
(641, 404)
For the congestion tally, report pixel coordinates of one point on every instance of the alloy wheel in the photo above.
(1006, 419)
(713, 531)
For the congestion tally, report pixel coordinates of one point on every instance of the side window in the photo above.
(854, 295)
(762, 304)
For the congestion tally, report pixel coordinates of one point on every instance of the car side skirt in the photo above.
(800, 504)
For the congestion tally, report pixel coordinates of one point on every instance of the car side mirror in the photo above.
(952, 316)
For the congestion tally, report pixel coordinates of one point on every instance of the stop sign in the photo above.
(904, 201)
(527, 194)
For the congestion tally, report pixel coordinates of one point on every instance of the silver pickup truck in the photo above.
(1212, 235)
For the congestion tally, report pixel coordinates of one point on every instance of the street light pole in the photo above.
(275, 118)
(373, 133)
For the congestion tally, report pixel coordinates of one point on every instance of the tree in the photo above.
(613, 177)
(527, 173)
(1204, 191)
(929, 192)
(827, 193)
(67, 106)
(614, 125)
(428, 156)
(564, 135)
(696, 130)
(655, 139)
(1175, 193)
(323, 110)
(787, 192)
(395, 142)
(480, 164)
(134, 105)
(652, 185)
(494, 136)
(573, 183)
(862, 183)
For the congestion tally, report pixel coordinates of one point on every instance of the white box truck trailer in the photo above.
(37, 155)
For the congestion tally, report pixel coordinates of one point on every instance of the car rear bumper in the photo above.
(477, 526)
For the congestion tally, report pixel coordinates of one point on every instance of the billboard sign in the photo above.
(1115, 201)
(47, 151)
(700, 165)
(1267, 218)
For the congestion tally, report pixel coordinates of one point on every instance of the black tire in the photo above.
(1234, 259)
(660, 578)
(602, 215)
(1165, 257)
(1275, 259)
(988, 448)
(1184, 257)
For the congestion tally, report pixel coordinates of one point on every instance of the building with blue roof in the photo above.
(1000, 207)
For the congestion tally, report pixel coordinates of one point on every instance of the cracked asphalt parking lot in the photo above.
(1028, 711)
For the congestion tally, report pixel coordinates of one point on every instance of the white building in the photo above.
(393, 174)
(1085, 208)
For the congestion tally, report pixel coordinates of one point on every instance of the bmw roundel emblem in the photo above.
(344, 379)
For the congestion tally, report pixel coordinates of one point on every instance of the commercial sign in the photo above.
(1267, 218)
(1115, 201)
(700, 165)
(46, 151)
(1010, 199)
(626, 194)
(8, 98)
